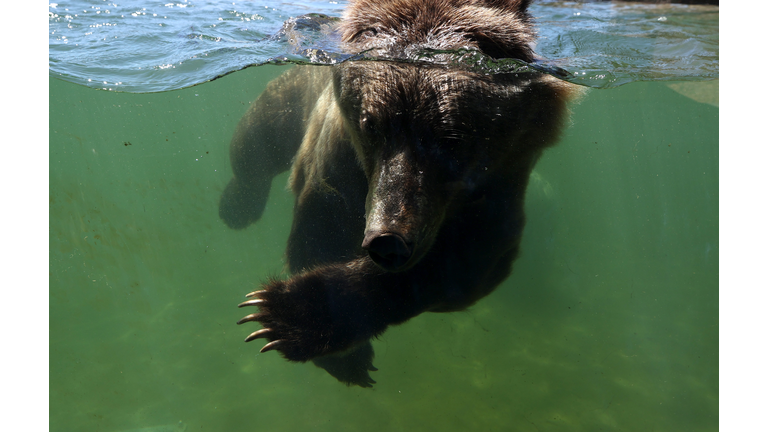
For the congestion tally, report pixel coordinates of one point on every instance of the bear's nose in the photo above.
(389, 251)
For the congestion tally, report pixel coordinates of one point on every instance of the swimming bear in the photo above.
(409, 177)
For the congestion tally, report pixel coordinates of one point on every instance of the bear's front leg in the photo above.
(328, 315)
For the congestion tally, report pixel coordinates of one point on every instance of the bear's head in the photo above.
(401, 28)
(432, 138)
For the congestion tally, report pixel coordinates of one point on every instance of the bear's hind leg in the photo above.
(351, 366)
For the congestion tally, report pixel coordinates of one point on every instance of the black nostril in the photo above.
(389, 251)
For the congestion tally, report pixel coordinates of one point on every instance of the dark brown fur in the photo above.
(409, 178)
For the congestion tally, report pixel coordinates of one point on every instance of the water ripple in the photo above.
(141, 46)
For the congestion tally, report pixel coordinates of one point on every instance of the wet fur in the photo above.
(438, 157)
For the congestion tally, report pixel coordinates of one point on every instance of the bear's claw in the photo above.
(265, 333)
(253, 302)
(254, 293)
(270, 346)
(247, 318)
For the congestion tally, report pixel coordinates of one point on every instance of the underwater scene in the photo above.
(608, 321)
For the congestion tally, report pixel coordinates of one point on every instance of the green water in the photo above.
(608, 323)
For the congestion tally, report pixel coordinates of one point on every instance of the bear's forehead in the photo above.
(392, 84)
(440, 101)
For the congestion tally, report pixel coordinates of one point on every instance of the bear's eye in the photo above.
(489, 47)
(367, 33)
(366, 125)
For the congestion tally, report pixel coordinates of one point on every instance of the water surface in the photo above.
(132, 45)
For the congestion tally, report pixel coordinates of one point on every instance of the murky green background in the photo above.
(609, 321)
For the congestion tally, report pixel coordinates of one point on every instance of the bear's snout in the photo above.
(389, 251)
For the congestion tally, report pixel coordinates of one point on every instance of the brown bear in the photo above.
(409, 176)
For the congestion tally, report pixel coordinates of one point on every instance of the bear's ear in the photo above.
(514, 5)
(522, 5)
